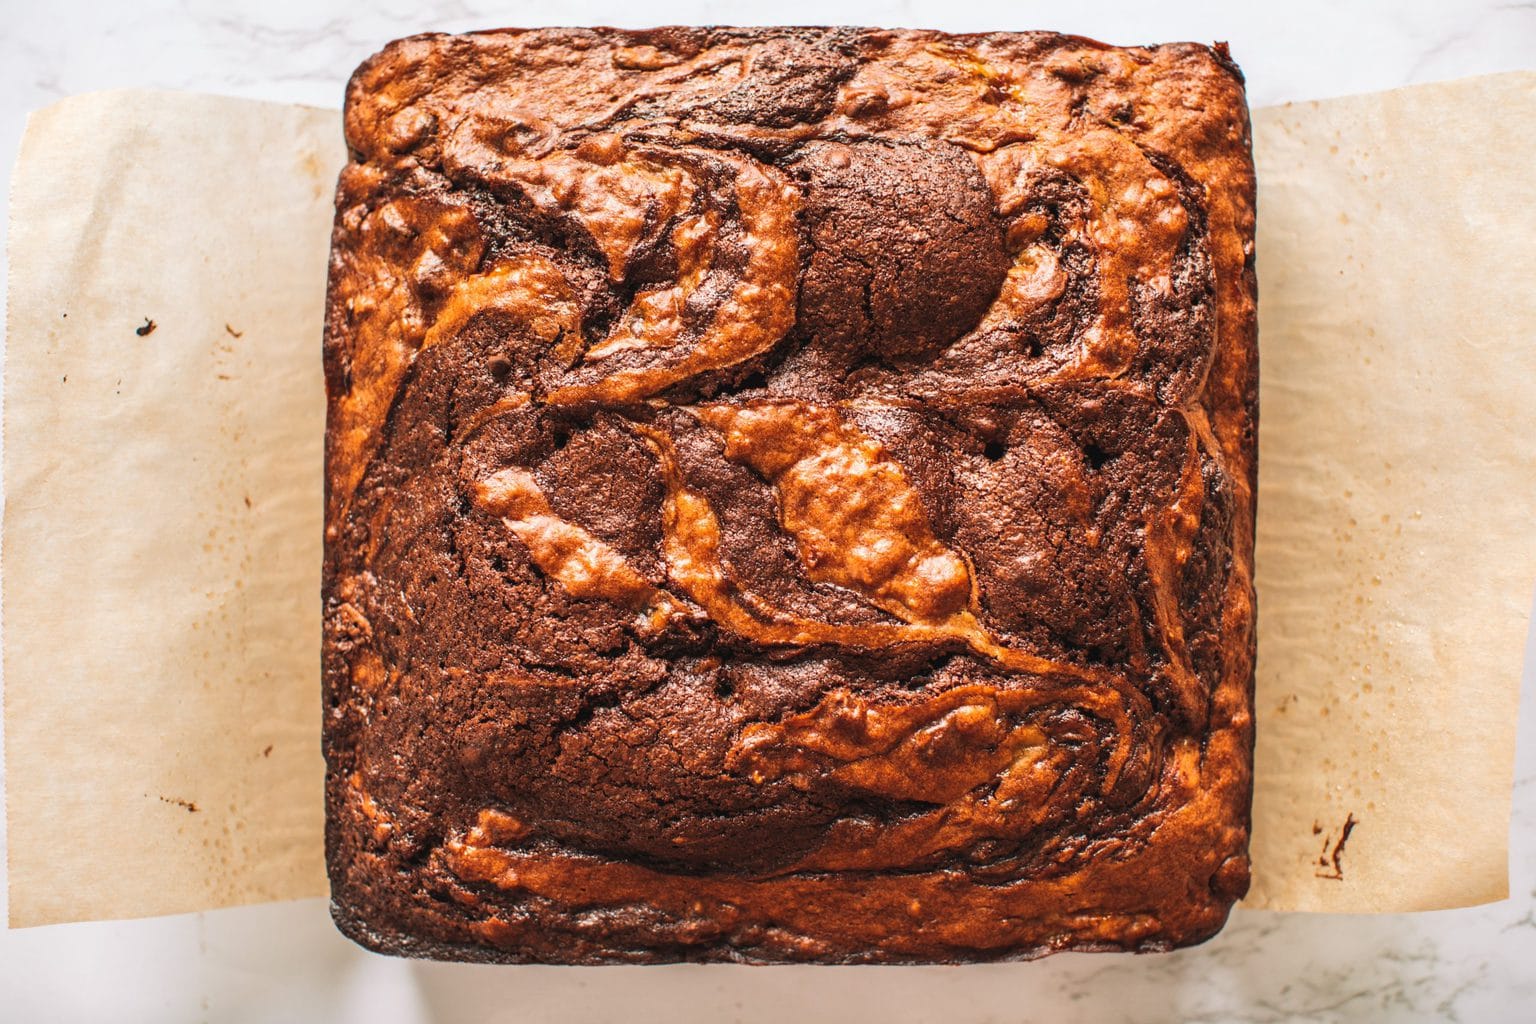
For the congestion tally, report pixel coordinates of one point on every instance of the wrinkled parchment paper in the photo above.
(1397, 485)
(163, 525)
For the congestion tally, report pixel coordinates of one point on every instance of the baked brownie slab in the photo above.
(789, 496)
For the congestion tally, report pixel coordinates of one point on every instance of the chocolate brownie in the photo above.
(790, 497)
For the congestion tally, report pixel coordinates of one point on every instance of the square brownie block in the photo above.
(790, 497)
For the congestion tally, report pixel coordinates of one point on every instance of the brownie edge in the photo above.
(789, 497)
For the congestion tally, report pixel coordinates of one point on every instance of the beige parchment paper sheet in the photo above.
(162, 529)
(1397, 483)
(162, 523)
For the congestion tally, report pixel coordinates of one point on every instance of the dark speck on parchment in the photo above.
(1330, 862)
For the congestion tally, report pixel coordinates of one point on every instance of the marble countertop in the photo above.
(284, 962)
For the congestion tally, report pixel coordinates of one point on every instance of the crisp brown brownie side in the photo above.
(789, 497)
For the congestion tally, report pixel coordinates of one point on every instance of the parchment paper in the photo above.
(162, 527)
(1397, 483)
(163, 524)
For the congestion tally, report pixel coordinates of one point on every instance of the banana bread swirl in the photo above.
(789, 497)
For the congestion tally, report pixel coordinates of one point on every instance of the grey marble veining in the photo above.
(284, 962)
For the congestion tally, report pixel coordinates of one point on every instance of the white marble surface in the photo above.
(284, 962)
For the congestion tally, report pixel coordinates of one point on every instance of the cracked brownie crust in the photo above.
(789, 497)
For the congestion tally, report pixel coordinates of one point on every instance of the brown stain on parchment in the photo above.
(1330, 863)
